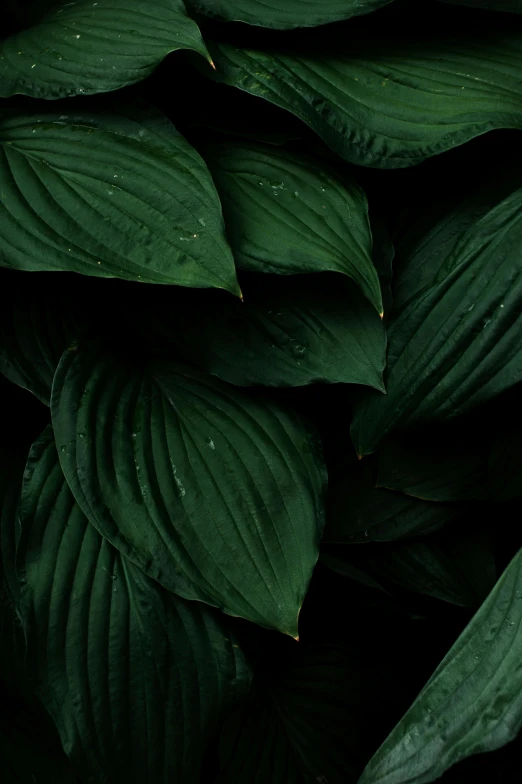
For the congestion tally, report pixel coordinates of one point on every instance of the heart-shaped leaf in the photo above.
(135, 678)
(287, 213)
(90, 47)
(472, 702)
(380, 99)
(215, 493)
(109, 192)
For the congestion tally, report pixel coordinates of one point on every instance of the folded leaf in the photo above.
(135, 678)
(473, 701)
(215, 494)
(287, 332)
(458, 343)
(285, 14)
(380, 99)
(90, 47)
(288, 213)
(109, 192)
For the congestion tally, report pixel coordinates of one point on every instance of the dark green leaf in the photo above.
(90, 47)
(381, 99)
(214, 493)
(443, 220)
(135, 678)
(112, 193)
(446, 462)
(473, 701)
(456, 567)
(457, 344)
(285, 14)
(288, 213)
(306, 721)
(287, 332)
(358, 511)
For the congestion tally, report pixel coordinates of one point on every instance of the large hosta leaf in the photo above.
(287, 213)
(109, 192)
(90, 47)
(135, 678)
(287, 332)
(216, 494)
(285, 14)
(306, 721)
(385, 100)
(458, 343)
(473, 701)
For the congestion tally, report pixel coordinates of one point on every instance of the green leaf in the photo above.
(90, 47)
(473, 701)
(288, 331)
(457, 344)
(305, 721)
(162, 670)
(446, 462)
(453, 566)
(288, 213)
(214, 493)
(285, 15)
(358, 511)
(435, 229)
(112, 192)
(37, 324)
(380, 99)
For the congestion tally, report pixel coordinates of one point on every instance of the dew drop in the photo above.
(210, 443)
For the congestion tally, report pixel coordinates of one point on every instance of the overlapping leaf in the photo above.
(216, 494)
(285, 14)
(109, 192)
(287, 213)
(453, 566)
(306, 721)
(358, 511)
(287, 332)
(473, 701)
(90, 47)
(381, 99)
(441, 463)
(458, 343)
(135, 678)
